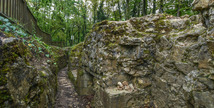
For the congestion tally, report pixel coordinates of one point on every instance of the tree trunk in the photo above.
(154, 7)
(161, 6)
(79, 33)
(85, 23)
(127, 10)
(115, 16)
(138, 9)
(144, 7)
(134, 9)
(72, 30)
(119, 10)
(94, 14)
(178, 9)
(124, 9)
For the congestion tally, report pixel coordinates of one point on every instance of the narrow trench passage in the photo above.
(67, 97)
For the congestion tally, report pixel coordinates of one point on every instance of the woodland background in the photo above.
(69, 21)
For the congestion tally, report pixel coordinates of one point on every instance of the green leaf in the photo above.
(48, 61)
(8, 24)
(47, 55)
(13, 28)
(5, 20)
(40, 48)
(7, 29)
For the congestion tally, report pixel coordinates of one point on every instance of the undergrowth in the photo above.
(34, 43)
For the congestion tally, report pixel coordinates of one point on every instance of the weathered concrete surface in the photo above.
(169, 61)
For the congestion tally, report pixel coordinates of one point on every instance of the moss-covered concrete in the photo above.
(28, 69)
(160, 56)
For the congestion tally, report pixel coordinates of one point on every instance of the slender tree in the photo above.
(161, 6)
(178, 8)
(144, 7)
(154, 7)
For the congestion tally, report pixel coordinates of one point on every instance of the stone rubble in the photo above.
(125, 86)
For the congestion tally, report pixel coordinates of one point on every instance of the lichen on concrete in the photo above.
(169, 61)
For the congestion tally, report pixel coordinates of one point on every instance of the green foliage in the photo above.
(62, 19)
(66, 18)
(47, 55)
(7, 27)
(14, 30)
(174, 7)
(100, 13)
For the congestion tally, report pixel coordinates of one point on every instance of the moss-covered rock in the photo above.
(164, 59)
(28, 69)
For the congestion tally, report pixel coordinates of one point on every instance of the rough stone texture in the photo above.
(28, 78)
(206, 10)
(169, 60)
(77, 74)
(201, 4)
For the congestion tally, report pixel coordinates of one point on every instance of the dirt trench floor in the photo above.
(67, 97)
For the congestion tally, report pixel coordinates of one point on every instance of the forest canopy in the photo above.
(69, 21)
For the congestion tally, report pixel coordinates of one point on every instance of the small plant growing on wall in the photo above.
(7, 26)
